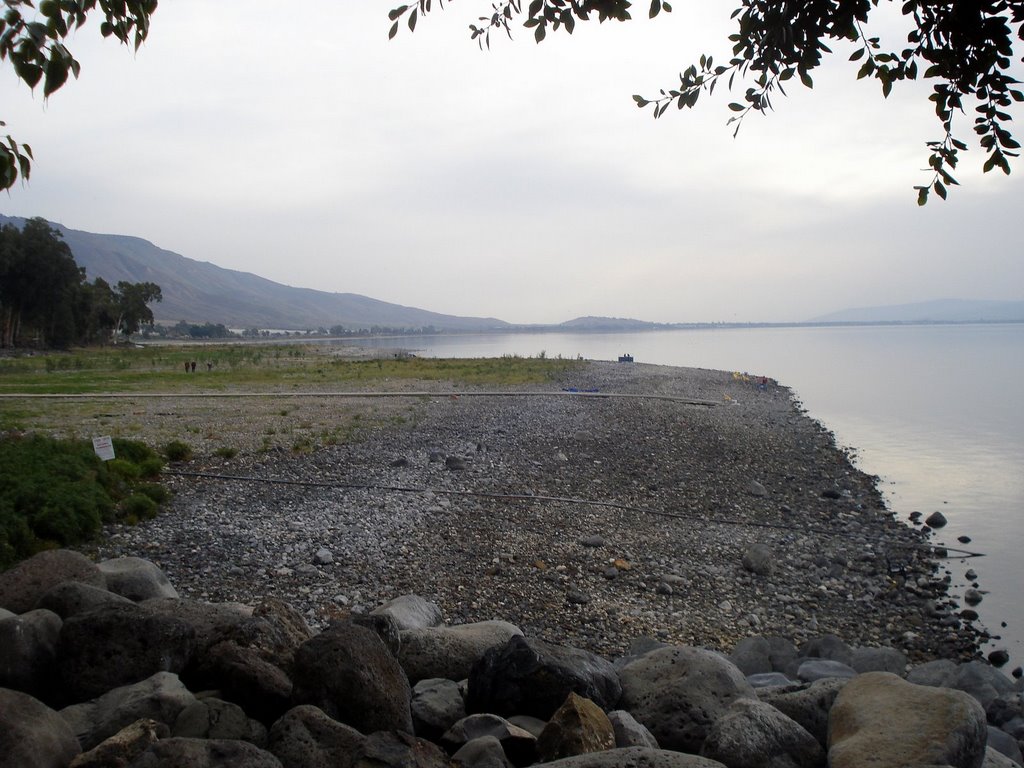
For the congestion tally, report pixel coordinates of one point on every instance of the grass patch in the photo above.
(56, 493)
(250, 367)
(176, 450)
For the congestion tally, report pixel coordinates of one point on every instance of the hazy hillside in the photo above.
(938, 311)
(200, 292)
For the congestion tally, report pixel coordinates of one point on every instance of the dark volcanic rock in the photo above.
(679, 692)
(349, 673)
(23, 585)
(531, 677)
(32, 735)
(117, 645)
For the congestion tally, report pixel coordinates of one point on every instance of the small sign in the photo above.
(104, 447)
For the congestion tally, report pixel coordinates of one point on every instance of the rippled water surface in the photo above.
(935, 411)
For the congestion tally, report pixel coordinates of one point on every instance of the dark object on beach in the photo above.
(964, 539)
(998, 657)
(972, 597)
(969, 614)
(831, 493)
(627, 358)
(935, 520)
(1017, 673)
(915, 516)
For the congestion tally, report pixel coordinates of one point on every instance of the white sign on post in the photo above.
(104, 447)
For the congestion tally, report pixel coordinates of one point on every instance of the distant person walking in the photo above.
(186, 366)
(193, 366)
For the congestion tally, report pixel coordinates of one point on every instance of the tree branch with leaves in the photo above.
(966, 47)
(32, 40)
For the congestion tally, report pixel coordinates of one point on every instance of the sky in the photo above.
(296, 142)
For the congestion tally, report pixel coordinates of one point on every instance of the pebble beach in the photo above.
(695, 507)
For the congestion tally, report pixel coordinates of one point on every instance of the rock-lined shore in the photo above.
(627, 581)
(105, 666)
(697, 488)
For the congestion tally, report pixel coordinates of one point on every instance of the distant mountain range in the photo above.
(938, 311)
(200, 292)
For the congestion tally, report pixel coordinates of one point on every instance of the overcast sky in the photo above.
(520, 183)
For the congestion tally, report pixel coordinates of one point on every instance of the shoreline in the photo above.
(573, 573)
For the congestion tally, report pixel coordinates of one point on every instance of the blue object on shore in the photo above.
(627, 358)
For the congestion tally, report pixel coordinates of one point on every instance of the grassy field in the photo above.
(162, 403)
(250, 367)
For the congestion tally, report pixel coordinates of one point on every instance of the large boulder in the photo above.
(436, 705)
(179, 752)
(761, 655)
(274, 631)
(635, 757)
(242, 675)
(879, 659)
(576, 727)
(756, 735)
(828, 647)
(70, 598)
(118, 645)
(450, 652)
(161, 698)
(32, 735)
(528, 676)
(678, 692)
(348, 672)
(212, 622)
(136, 578)
(410, 612)
(23, 585)
(213, 718)
(880, 719)
(809, 706)
(982, 681)
(28, 649)
(752, 656)
(306, 737)
(396, 749)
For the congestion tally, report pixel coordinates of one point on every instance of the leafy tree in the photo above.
(132, 302)
(45, 298)
(32, 40)
(964, 47)
(38, 281)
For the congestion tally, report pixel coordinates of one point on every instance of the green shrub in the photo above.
(177, 451)
(138, 506)
(151, 468)
(134, 451)
(226, 452)
(124, 469)
(155, 491)
(56, 493)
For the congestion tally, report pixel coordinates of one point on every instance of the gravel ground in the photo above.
(586, 521)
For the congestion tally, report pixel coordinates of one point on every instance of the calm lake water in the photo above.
(934, 411)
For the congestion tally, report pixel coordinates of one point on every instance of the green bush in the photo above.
(56, 493)
(226, 452)
(155, 491)
(177, 451)
(138, 506)
(151, 468)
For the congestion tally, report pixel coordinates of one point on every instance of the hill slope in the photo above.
(938, 311)
(200, 292)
